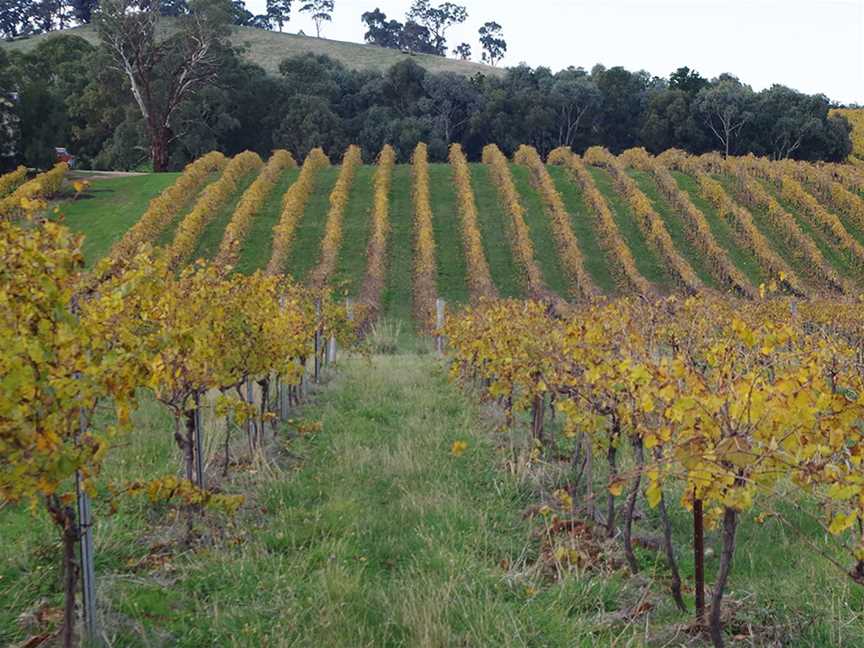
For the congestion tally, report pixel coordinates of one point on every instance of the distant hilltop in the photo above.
(268, 48)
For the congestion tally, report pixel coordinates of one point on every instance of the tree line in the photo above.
(144, 96)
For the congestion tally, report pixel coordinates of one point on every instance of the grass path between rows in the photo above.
(383, 537)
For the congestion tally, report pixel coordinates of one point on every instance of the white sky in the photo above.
(810, 45)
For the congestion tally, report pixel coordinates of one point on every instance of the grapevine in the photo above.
(479, 278)
(649, 221)
(333, 228)
(373, 284)
(211, 200)
(293, 204)
(250, 203)
(425, 270)
(520, 239)
(568, 246)
(624, 266)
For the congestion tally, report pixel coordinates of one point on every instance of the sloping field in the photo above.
(634, 223)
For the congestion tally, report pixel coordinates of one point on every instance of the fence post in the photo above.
(85, 530)
(331, 350)
(199, 443)
(317, 368)
(250, 420)
(440, 305)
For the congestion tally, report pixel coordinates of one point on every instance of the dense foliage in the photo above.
(72, 94)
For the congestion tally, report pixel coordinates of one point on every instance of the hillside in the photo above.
(729, 228)
(268, 48)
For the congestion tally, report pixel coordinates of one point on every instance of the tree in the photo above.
(462, 52)
(574, 97)
(669, 122)
(493, 43)
(321, 11)
(690, 81)
(437, 20)
(10, 130)
(451, 100)
(416, 38)
(173, 7)
(83, 10)
(624, 97)
(725, 106)
(309, 122)
(279, 11)
(163, 74)
(380, 31)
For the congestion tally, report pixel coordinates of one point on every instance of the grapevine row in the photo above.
(747, 234)
(752, 193)
(333, 228)
(520, 239)
(29, 196)
(793, 192)
(698, 230)
(164, 208)
(208, 205)
(376, 251)
(568, 246)
(69, 349)
(649, 221)
(721, 400)
(293, 206)
(10, 181)
(250, 204)
(479, 277)
(624, 266)
(425, 268)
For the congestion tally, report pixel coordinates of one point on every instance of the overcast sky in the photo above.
(810, 45)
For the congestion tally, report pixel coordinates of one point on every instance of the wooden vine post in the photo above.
(85, 535)
(317, 365)
(199, 443)
(699, 559)
(440, 307)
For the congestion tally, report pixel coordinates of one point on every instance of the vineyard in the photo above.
(579, 400)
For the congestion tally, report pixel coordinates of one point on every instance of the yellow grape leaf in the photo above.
(653, 494)
(616, 487)
(842, 492)
(841, 522)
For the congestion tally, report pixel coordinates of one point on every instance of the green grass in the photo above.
(396, 302)
(214, 230)
(493, 223)
(539, 224)
(257, 247)
(110, 207)
(676, 227)
(722, 231)
(647, 261)
(582, 221)
(306, 248)
(449, 246)
(356, 228)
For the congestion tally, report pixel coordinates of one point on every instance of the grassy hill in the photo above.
(268, 48)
